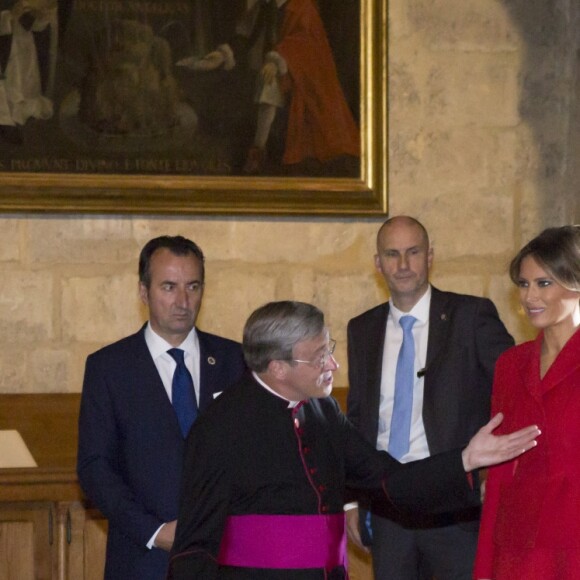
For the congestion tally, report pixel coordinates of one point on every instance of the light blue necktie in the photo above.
(400, 434)
(183, 393)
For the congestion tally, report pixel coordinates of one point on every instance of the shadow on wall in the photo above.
(550, 103)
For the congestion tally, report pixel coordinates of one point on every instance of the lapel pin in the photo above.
(444, 316)
(211, 360)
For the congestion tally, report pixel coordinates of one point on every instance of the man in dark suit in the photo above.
(455, 340)
(138, 403)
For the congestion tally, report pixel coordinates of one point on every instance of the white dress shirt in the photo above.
(394, 338)
(166, 366)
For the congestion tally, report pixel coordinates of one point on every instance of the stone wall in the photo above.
(483, 125)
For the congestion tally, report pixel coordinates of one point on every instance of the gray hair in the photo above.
(273, 329)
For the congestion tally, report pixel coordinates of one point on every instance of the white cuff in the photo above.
(151, 542)
(350, 506)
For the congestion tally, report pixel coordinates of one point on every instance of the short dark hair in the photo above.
(557, 250)
(177, 245)
(273, 329)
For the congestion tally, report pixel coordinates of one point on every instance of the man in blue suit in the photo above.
(132, 423)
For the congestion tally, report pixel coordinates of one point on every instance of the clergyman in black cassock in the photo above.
(275, 449)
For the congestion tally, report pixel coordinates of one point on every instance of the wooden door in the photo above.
(27, 540)
(82, 539)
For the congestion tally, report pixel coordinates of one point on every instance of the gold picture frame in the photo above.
(365, 195)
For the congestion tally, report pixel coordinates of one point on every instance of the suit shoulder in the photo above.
(216, 341)
(461, 298)
(377, 312)
(120, 347)
(465, 304)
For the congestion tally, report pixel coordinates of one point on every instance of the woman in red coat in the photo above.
(530, 526)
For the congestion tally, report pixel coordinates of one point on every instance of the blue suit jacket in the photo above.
(130, 446)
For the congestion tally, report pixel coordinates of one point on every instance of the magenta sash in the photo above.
(279, 541)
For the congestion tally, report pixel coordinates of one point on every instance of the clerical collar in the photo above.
(291, 404)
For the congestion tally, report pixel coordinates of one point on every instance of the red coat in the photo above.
(531, 516)
(320, 124)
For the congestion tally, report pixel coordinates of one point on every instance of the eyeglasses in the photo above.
(321, 360)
